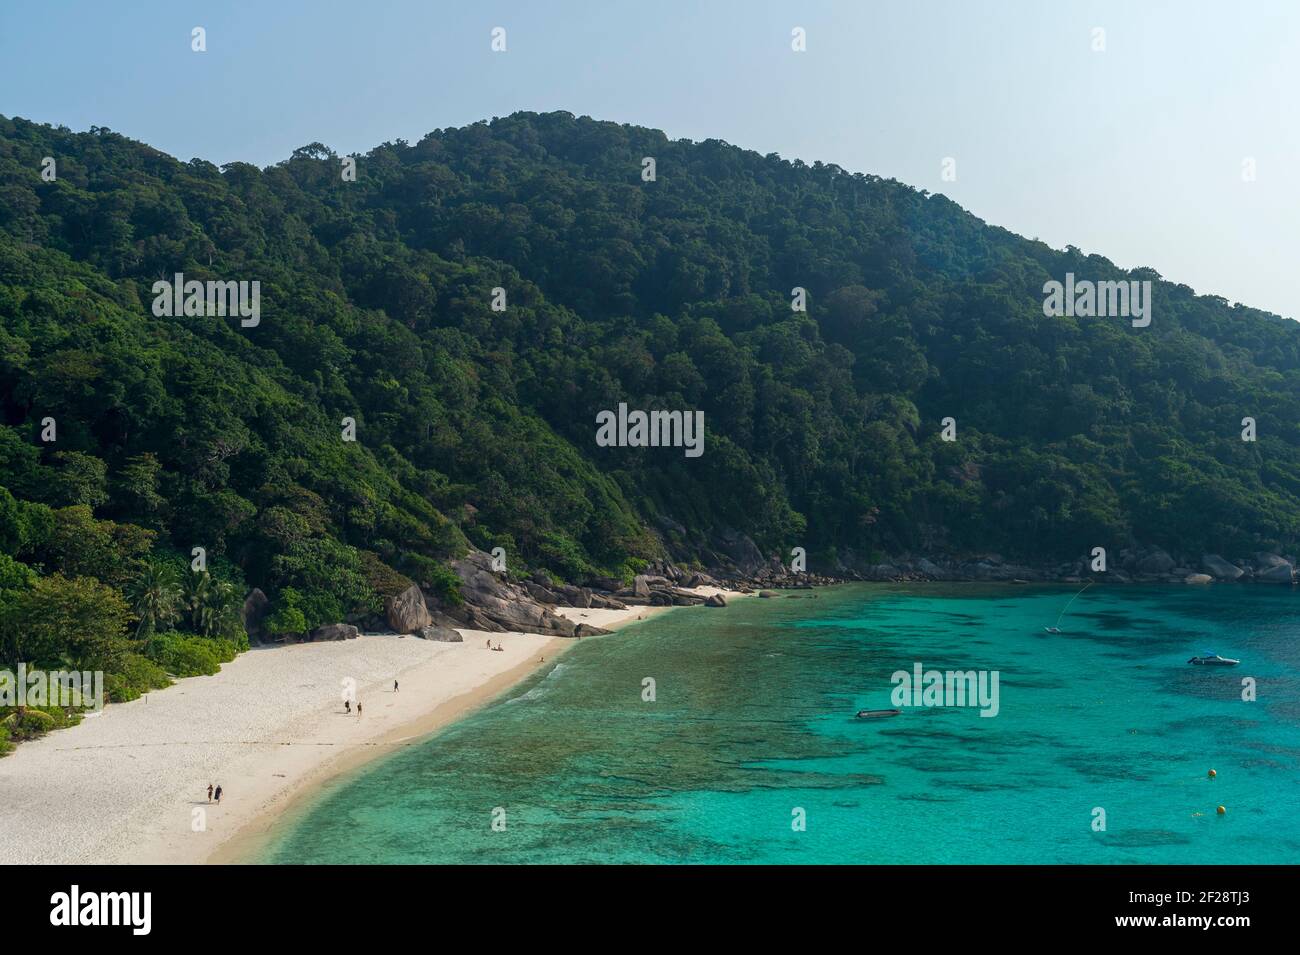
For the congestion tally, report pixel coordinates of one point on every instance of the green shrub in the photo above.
(28, 724)
(382, 579)
(134, 676)
(437, 576)
(631, 567)
(226, 650)
(298, 611)
(286, 620)
(182, 655)
(446, 586)
(564, 554)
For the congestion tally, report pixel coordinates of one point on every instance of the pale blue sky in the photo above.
(1135, 153)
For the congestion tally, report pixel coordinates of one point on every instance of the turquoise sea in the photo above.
(753, 720)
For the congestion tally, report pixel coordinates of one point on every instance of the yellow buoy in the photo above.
(1213, 774)
(1222, 810)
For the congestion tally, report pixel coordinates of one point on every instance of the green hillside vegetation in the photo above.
(476, 427)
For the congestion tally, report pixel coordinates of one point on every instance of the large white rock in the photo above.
(1277, 574)
(1220, 569)
(407, 612)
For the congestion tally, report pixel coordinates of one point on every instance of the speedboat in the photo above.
(877, 714)
(1059, 617)
(1213, 660)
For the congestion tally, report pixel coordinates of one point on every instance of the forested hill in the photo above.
(478, 426)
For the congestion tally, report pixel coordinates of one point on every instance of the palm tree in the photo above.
(155, 598)
(211, 604)
(195, 587)
(223, 608)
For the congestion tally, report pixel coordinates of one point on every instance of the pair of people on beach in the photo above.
(216, 794)
(497, 647)
(347, 705)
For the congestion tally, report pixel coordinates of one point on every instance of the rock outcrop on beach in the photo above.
(492, 602)
(333, 631)
(1156, 561)
(1278, 571)
(407, 612)
(256, 607)
(1220, 569)
(741, 550)
(440, 634)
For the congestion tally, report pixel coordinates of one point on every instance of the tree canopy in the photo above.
(476, 426)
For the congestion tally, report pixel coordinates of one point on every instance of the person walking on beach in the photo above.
(394, 686)
(347, 705)
(218, 795)
(209, 792)
(358, 707)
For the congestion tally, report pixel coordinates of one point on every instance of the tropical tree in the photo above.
(76, 622)
(155, 597)
(210, 605)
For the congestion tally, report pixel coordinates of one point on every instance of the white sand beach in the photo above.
(130, 785)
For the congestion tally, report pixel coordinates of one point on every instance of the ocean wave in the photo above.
(542, 688)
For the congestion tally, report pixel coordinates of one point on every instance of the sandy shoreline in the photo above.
(130, 785)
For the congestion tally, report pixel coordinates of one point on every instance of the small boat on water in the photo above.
(877, 714)
(1057, 628)
(1209, 659)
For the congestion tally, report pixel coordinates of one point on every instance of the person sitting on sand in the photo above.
(218, 795)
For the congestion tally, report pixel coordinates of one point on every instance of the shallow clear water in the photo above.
(753, 719)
